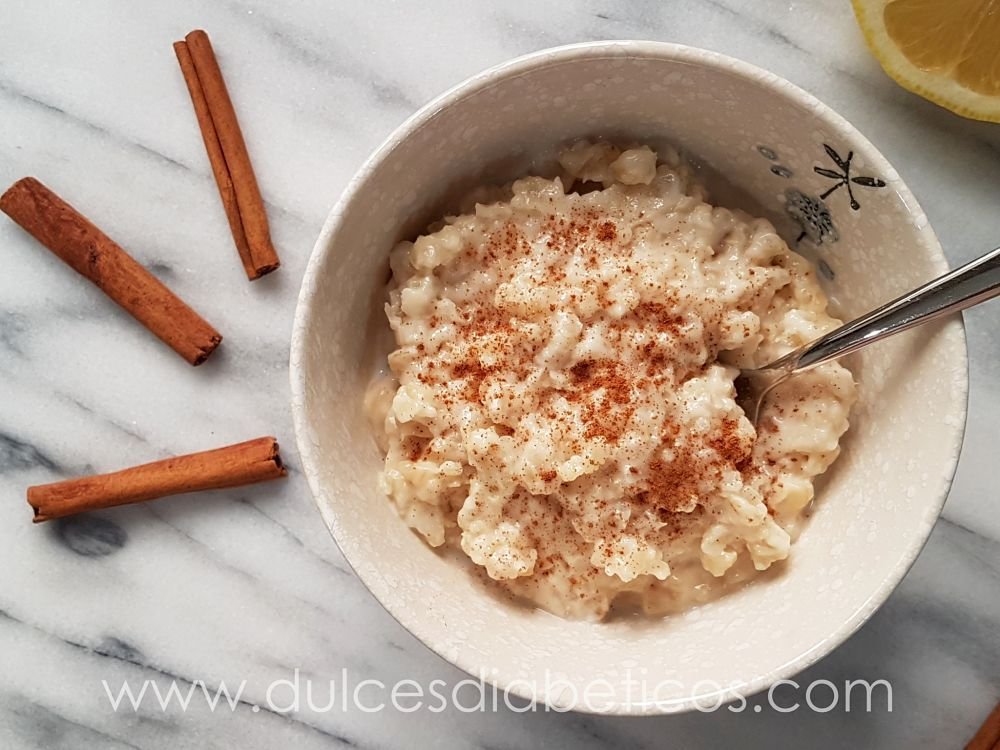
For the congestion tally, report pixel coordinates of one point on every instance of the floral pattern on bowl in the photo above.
(811, 212)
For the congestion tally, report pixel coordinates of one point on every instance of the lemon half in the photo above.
(947, 51)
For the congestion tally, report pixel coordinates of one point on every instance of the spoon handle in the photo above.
(968, 285)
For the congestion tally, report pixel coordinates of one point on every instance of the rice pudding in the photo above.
(561, 407)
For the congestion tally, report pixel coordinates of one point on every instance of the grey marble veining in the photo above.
(247, 584)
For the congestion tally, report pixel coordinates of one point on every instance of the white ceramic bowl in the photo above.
(878, 503)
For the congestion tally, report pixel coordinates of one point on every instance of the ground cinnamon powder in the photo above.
(607, 390)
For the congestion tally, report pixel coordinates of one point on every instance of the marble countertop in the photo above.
(247, 584)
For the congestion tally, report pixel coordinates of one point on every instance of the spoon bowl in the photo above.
(975, 282)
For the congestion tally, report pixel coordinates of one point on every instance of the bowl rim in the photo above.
(310, 455)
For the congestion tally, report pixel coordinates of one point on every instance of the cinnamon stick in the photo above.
(227, 154)
(988, 736)
(94, 255)
(244, 463)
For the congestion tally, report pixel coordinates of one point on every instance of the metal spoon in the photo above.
(975, 282)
